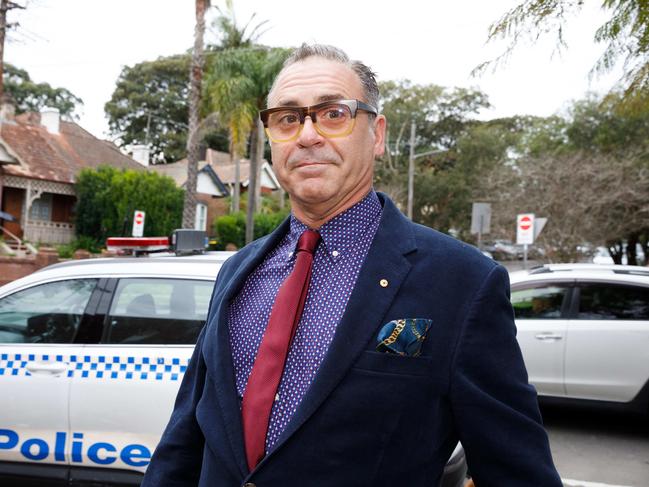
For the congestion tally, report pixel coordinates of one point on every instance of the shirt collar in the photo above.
(339, 233)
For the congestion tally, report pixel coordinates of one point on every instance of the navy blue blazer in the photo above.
(372, 418)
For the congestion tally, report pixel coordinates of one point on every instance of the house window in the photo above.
(42, 208)
(201, 217)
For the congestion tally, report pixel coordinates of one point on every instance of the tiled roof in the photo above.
(56, 157)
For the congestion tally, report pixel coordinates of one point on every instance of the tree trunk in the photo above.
(260, 159)
(193, 152)
(615, 250)
(4, 6)
(236, 189)
(631, 257)
(252, 182)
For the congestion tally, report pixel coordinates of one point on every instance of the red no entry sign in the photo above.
(525, 228)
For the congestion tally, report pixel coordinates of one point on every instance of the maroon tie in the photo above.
(267, 370)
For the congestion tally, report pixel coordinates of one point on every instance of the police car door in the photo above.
(38, 325)
(122, 400)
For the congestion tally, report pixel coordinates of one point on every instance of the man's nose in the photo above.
(309, 135)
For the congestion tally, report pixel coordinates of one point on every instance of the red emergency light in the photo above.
(137, 244)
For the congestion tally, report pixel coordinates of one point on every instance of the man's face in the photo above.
(321, 174)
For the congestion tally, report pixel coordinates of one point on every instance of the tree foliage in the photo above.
(30, 96)
(588, 172)
(107, 198)
(625, 35)
(150, 106)
(237, 83)
(442, 116)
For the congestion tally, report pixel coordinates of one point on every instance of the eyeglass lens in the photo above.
(330, 119)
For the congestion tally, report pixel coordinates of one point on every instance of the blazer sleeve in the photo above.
(178, 457)
(495, 409)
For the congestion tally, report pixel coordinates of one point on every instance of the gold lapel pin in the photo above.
(383, 283)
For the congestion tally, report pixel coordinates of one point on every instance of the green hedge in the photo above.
(232, 228)
(108, 197)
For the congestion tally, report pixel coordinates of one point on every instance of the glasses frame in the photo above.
(310, 111)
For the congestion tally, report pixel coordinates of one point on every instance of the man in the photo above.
(357, 354)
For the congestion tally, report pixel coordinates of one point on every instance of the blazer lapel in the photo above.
(367, 306)
(217, 351)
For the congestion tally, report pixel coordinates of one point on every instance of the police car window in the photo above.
(47, 313)
(541, 303)
(613, 302)
(158, 311)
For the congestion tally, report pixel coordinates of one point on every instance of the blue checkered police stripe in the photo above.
(99, 366)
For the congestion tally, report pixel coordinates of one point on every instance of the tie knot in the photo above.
(308, 241)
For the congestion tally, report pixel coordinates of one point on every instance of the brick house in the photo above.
(40, 157)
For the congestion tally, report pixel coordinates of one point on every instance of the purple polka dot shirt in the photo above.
(345, 242)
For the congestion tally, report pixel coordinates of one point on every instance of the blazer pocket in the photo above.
(388, 363)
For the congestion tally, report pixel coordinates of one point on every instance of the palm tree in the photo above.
(230, 34)
(236, 86)
(237, 119)
(193, 140)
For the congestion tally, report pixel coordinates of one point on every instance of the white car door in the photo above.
(38, 325)
(607, 357)
(539, 309)
(123, 395)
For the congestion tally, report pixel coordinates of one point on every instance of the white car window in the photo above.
(158, 311)
(47, 313)
(541, 303)
(613, 302)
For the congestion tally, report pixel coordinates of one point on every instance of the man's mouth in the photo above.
(310, 164)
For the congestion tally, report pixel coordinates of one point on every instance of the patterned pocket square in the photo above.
(404, 336)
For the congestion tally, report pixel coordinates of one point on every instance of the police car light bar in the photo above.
(137, 245)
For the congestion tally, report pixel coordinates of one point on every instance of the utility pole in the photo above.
(411, 169)
(5, 6)
(411, 166)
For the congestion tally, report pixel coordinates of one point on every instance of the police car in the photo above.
(92, 353)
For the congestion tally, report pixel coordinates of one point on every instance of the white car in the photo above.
(584, 332)
(92, 353)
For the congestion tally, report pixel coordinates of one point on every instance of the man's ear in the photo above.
(379, 135)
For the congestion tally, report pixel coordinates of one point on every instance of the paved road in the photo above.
(593, 448)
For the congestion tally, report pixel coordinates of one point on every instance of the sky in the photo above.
(83, 45)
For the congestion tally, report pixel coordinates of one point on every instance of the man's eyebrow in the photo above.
(288, 103)
(321, 99)
(332, 97)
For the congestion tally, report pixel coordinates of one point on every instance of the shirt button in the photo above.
(335, 253)
(277, 397)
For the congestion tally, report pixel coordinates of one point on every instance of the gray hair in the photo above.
(366, 76)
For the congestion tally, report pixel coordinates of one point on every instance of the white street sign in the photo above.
(525, 228)
(138, 223)
(539, 224)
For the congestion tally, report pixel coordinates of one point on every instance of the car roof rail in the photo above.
(632, 272)
(540, 269)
